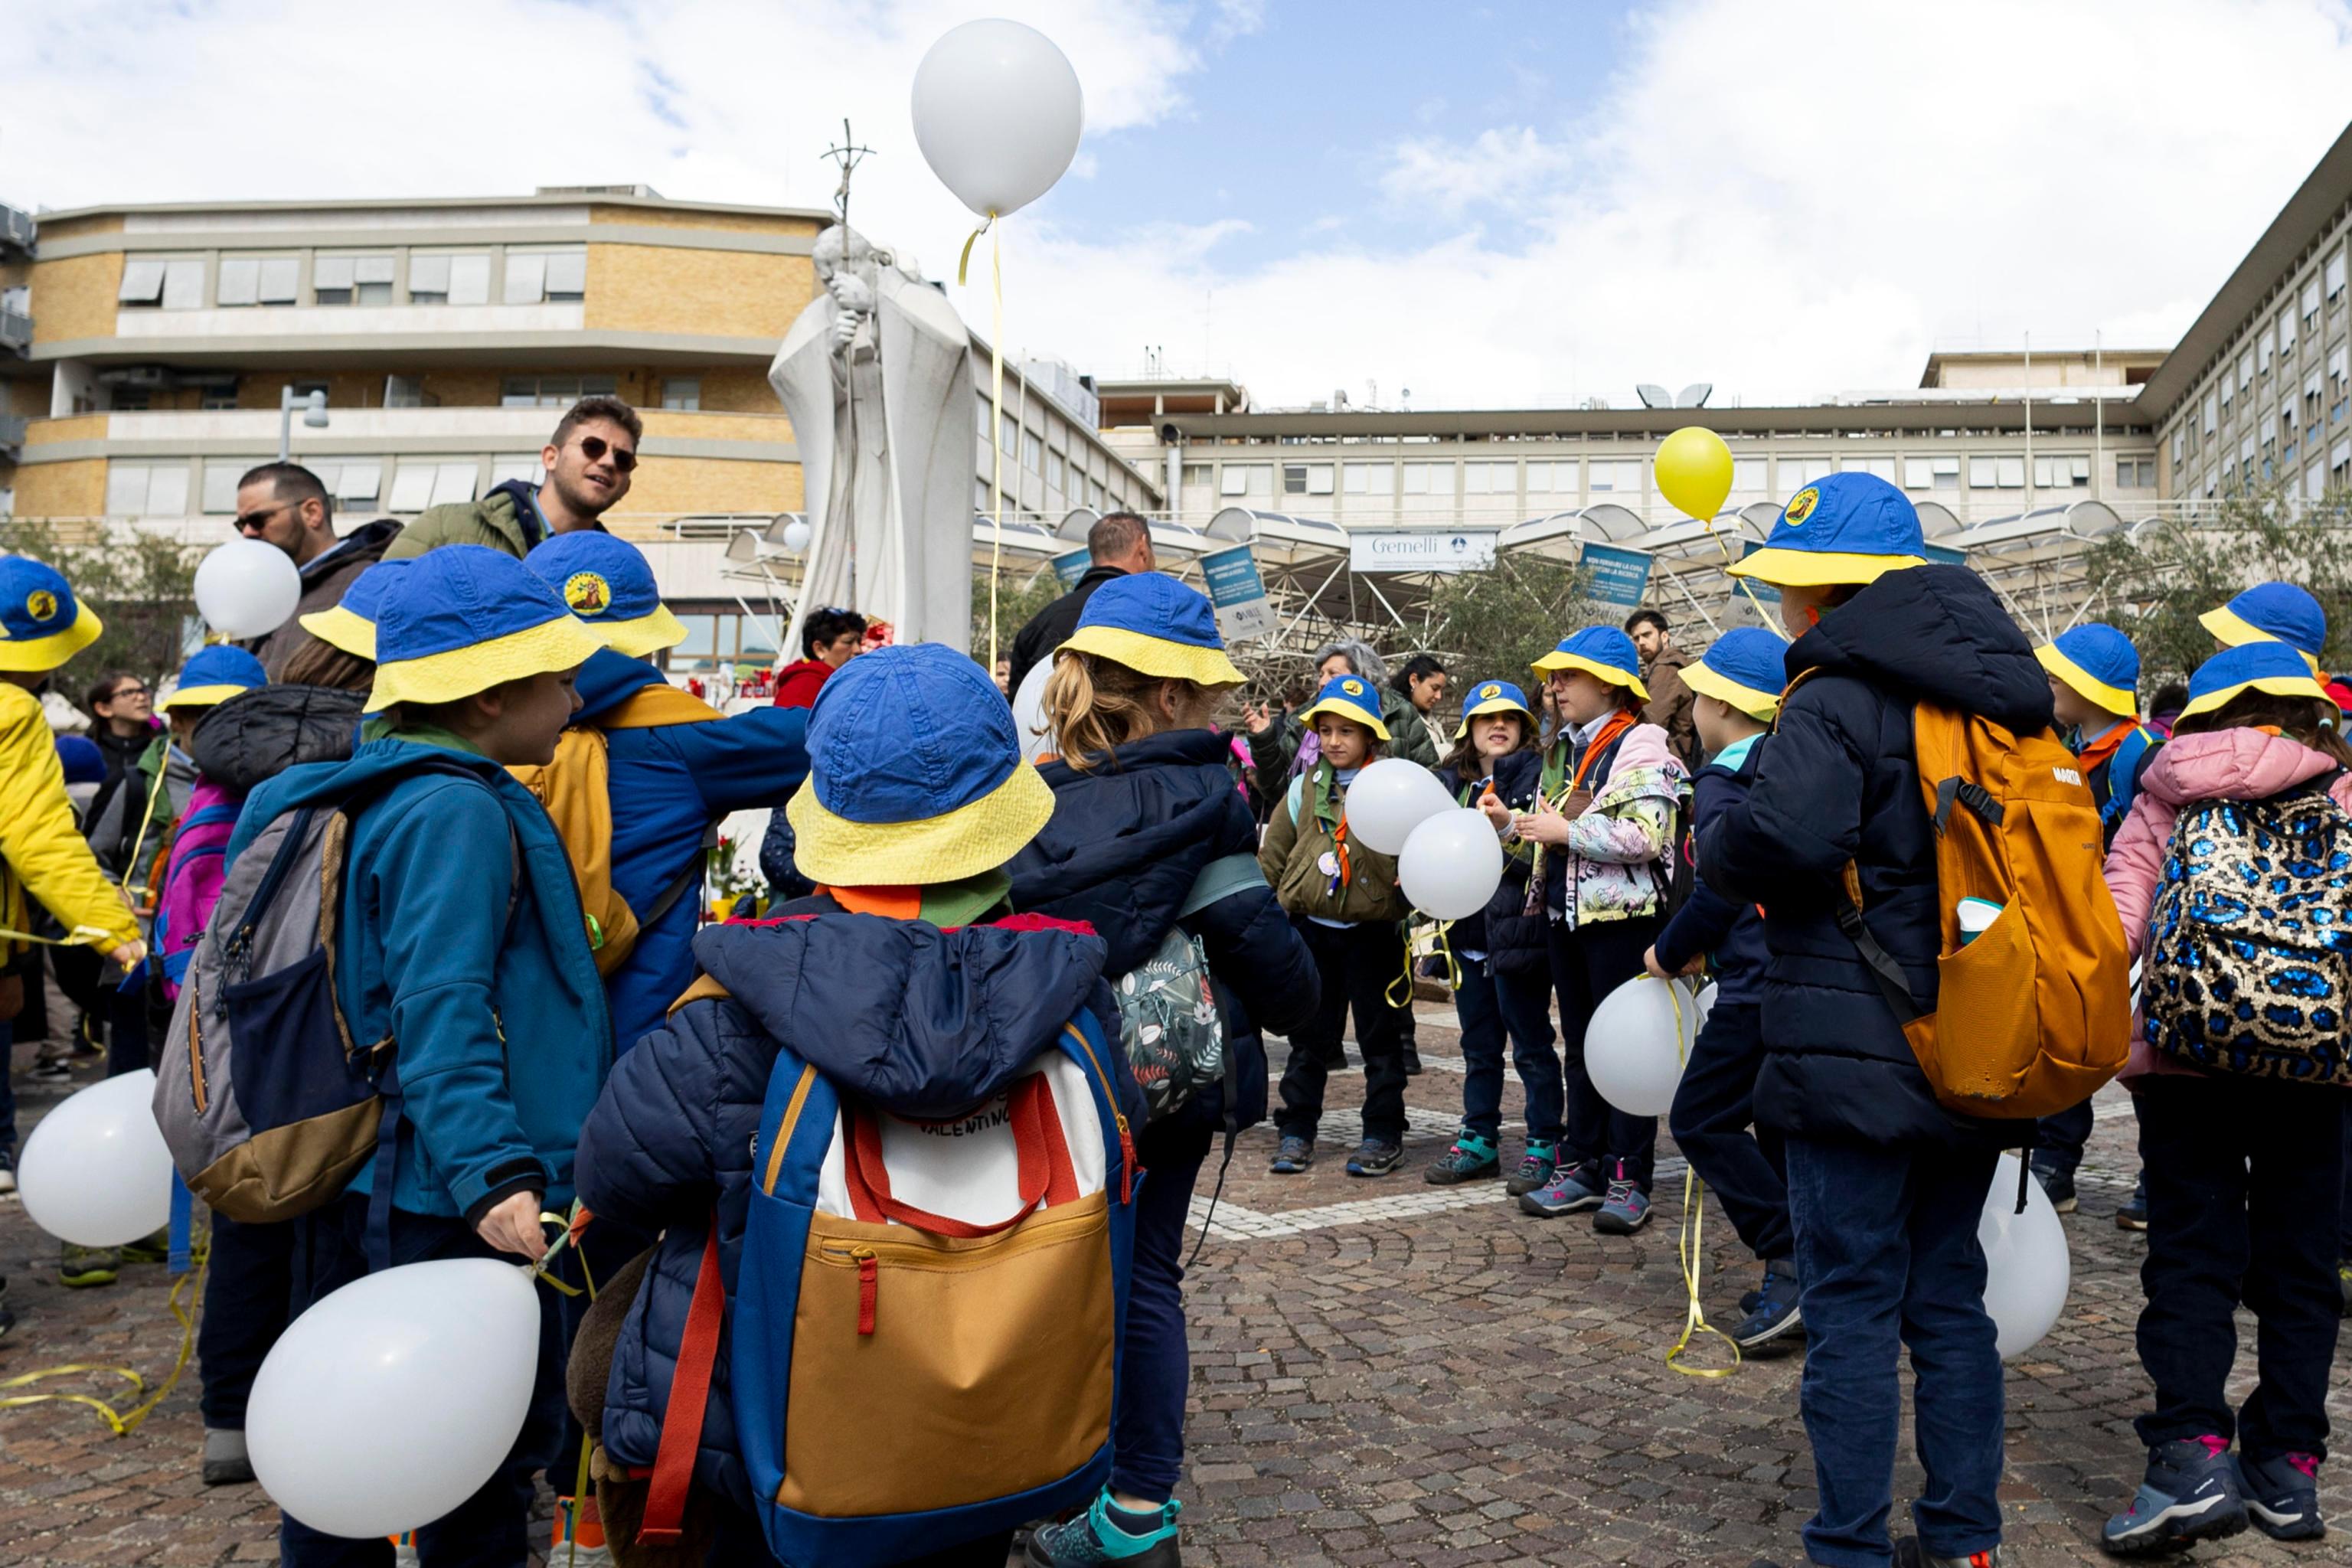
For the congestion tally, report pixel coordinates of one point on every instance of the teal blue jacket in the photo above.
(499, 1017)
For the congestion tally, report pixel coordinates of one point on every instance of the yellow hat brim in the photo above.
(972, 838)
(48, 652)
(341, 628)
(1157, 656)
(559, 644)
(202, 696)
(1556, 660)
(1818, 569)
(1710, 682)
(2231, 630)
(645, 634)
(1348, 711)
(2277, 685)
(1492, 705)
(2112, 698)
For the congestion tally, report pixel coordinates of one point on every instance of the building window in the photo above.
(1618, 477)
(1033, 452)
(447, 280)
(2339, 463)
(1883, 467)
(2264, 350)
(2061, 473)
(2136, 473)
(1194, 476)
(2178, 443)
(2213, 418)
(1009, 438)
(1984, 473)
(1245, 479)
(165, 285)
(1796, 473)
(147, 490)
(2246, 371)
(405, 392)
(523, 466)
(1054, 469)
(1559, 478)
(2311, 306)
(257, 280)
(130, 400)
(351, 279)
(1491, 478)
(1371, 478)
(558, 276)
(2286, 334)
(2336, 280)
(220, 485)
(421, 484)
(1307, 478)
(1429, 478)
(682, 392)
(212, 399)
(552, 391)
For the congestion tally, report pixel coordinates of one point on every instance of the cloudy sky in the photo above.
(1507, 204)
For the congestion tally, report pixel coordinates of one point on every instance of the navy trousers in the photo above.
(249, 1292)
(1147, 1427)
(1586, 964)
(1714, 1108)
(1518, 1009)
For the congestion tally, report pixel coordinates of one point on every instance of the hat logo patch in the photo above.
(1352, 688)
(41, 605)
(1801, 506)
(586, 594)
(1487, 693)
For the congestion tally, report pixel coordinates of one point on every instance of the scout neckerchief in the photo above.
(2097, 752)
(1336, 863)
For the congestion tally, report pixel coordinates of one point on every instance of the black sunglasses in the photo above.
(258, 520)
(593, 448)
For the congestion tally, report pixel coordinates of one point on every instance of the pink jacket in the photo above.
(2224, 764)
(193, 878)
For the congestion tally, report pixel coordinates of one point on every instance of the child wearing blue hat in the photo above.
(1502, 980)
(1345, 900)
(460, 943)
(1150, 841)
(1611, 789)
(2267, 612)
(2241, 1109)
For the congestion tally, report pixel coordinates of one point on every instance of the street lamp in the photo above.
(314, 416)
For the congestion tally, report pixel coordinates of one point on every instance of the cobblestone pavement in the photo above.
(1384, 1372)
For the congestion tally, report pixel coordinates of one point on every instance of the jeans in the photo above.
(2058, 1140)
(1492, 1006)
(2245, 1182)
(1714, 1108)
(1886, 1246)
(1357, 965)
(1148, 1429)
(1586, 964)
(249, 1289)
(492, 1528)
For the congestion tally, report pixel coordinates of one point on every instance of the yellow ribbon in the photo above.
(139, 839)
(71, 939)
(996, 403)
(1390, 994)
(563, 1241)
(1689, 1244)
(124, 1422)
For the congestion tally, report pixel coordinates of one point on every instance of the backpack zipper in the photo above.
(869, 1270)
(195, 1046)
(1110, 1094)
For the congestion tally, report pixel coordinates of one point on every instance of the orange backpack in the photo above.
(2034, 1014)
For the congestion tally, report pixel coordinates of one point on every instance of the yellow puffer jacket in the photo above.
(43, 851)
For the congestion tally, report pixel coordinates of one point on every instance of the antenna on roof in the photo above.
(1694, 395)
(1652, 396)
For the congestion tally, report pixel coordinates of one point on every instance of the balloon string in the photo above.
(996, 403)
(71, 939)
(160, 789)
(124, 1422)
(1390, 996)
(1689, 1247)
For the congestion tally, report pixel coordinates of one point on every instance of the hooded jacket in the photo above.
(1708, 922)
(125, 833)
(1120, 853)
(1291, 857)
(460, 938)
(46, 858)
(324, 578)
(1670, 705)
(672, 774)
(2217, 764)
(798, 682)
(1838, 781)
(919, 1021)
(1618, 861)
(507, 518)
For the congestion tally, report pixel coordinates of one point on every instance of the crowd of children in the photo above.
(875, 1121)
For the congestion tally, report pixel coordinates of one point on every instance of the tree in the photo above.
(1495, 625)
(140, 583)
(1017, 603)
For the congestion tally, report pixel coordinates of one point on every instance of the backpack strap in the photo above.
(685, 880)
(1892, 982)
(690, 1396)
(1046, 1176)
(1297, 781)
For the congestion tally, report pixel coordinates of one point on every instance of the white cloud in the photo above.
(1499, 168)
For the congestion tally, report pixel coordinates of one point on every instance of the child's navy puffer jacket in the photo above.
(1513, 940)
(1125, 842)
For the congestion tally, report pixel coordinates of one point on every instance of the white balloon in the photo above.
(998, 112)
(2028, 1269)
(96, 1172)
(392, 1401)
(1029, 711)
(247, 588)
(1638, 1042)
(1391, 798)
(1701, 1005)
(796, 536)
(1451, 864)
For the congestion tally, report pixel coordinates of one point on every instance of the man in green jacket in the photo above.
(589, 461)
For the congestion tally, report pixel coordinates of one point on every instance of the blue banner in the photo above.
(1615, 576)
(1746, 587)
(1068, 569)
(1238, 593)
(1944, 554)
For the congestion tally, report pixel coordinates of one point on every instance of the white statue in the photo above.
(877, 376)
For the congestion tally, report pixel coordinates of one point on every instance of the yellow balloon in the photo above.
(1694, 471)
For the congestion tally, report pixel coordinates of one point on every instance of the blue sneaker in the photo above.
(1571, 1189)
(1535, 1169)
(1775, 1311)
(1097, 1536)
(1374, 1157)
(2281, 1496)
(2189, 1494)
(1626, 1210)
(1292, 1155)
(1469, 1158)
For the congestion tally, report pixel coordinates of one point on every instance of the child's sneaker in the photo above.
(2189, 1494)
(1374, 1158)
(1572, 1188)
(2058, 1186)
(79, 1268)
(1471, 1158)
(50, 1070)
(226, 1462)
(2133, 1215)
(1626, 1210)
(579, 1538)
(1108, 1533)
(2281, 1495)
(1775, 1311)
(1292, 1155)
(1909, 1553)
(1535, 1169)
(156, 1249)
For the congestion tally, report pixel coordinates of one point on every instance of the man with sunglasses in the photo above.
(286, 505)
(589, 461)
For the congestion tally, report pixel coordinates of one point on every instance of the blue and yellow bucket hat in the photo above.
(609, 584)
(2098, 662)
(1493, 697)
(1841, 528)
(463, 618)
(1349, 696)
(2267, 665)
(1603, 651)
(915, 774)
(1747, 667)
(350, 624)
(42, 624)
(2266, 611)
(212, 676)
(1155, 626)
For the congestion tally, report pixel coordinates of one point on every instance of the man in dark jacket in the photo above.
(1885, 1187)
(1117, 544)
(286, 505)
